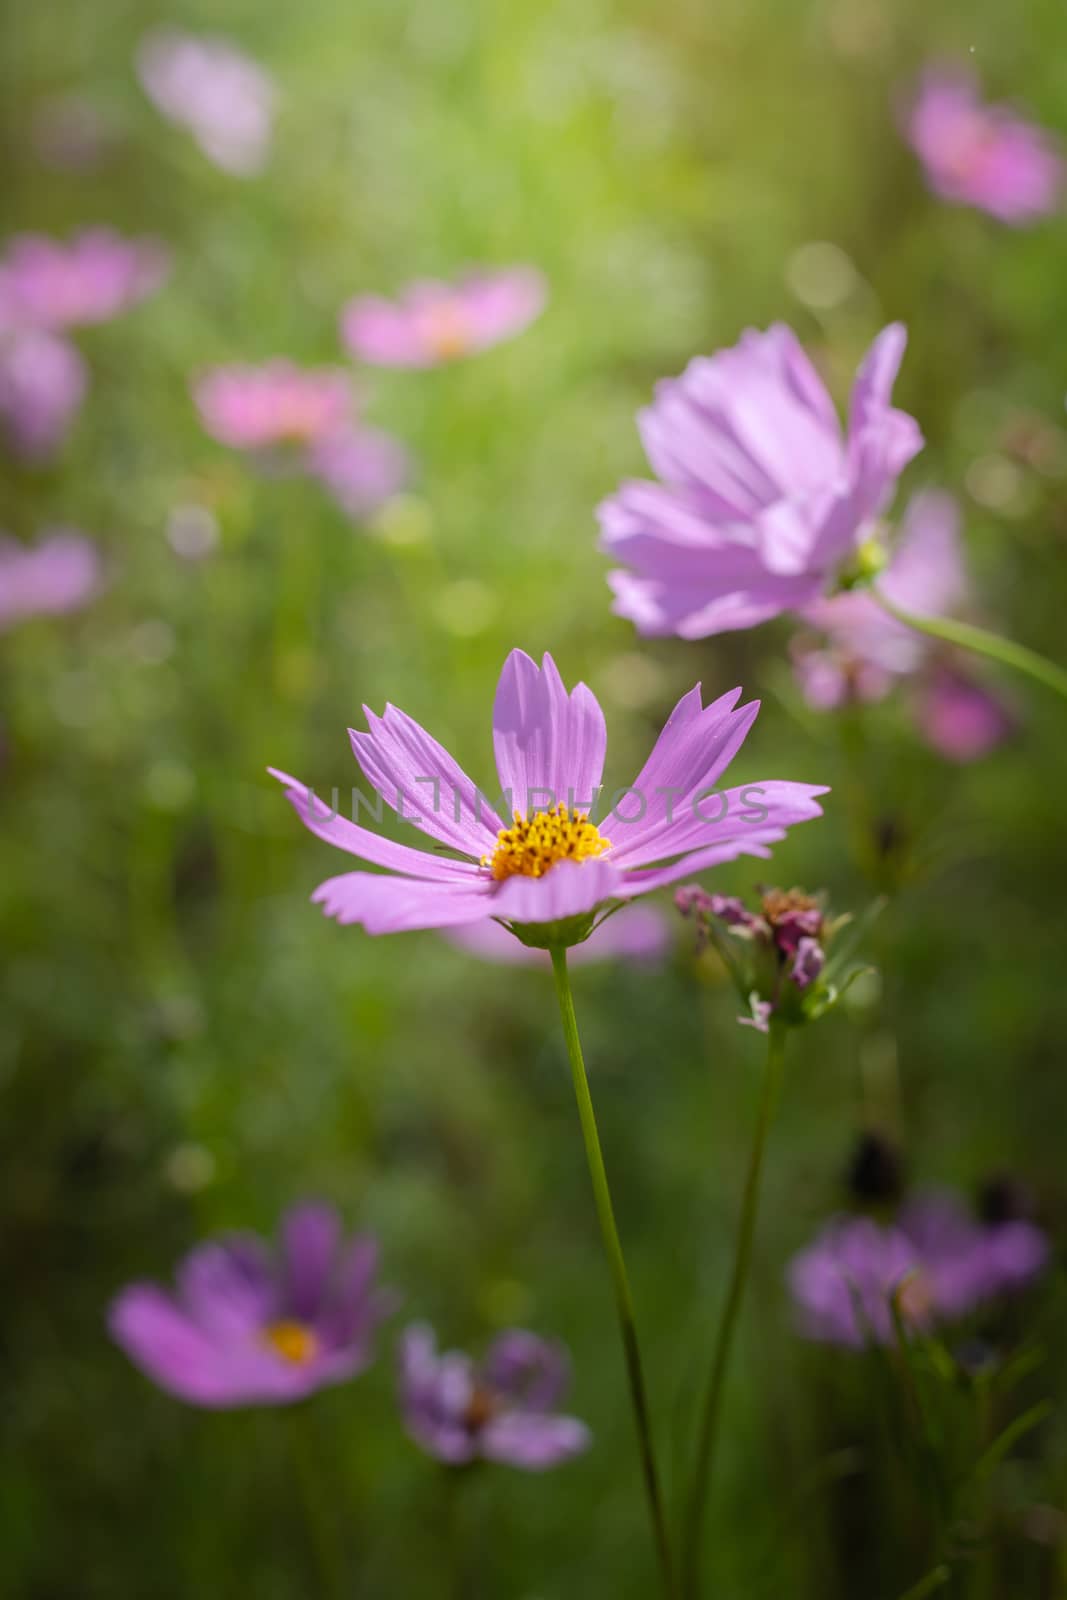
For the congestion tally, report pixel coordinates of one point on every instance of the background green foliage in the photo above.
(186, 1045)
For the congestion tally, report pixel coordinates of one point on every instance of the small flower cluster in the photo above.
(777, 955)
(250, 1326)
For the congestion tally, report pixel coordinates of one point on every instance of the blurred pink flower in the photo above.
(278, 403)
(980, 154)
(60, 573)
(639, 935)
(207, 85)
(960, 718)
(434, 322)
(48, 283)
(360, 467)
(43, 381)
(761, 500)
(865, 651)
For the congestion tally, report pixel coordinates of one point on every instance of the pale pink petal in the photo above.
(421, 781)
(384, 904)
(549, 744)
(569, 889)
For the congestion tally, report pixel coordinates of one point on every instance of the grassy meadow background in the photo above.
(186, 1045)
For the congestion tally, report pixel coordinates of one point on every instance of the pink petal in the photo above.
(549, 745)
(384, 904)
(420, 780)
(569, 889)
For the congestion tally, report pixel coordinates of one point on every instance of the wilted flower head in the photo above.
(59, 573)
(207, 85)
(43, 380)
(550, 872)
(982, 155)
(638, 935)
(776, 955)
(762, 501)
(501, 1410)
(250, 1327)
(432, 322)
(863, 650)
(49, 283)
(936, 1260)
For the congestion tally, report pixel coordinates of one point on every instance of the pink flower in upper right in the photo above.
(433, 322)
(979, 154)
(762, 499)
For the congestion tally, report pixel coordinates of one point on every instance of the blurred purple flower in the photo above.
(502, 1410)
(277, 403)
(762, 501)
(433, 322)
(58, 574)
(979, 154)
(246, 1327)
(960, 718)
(360, 467)
(49, 283)
(207, 85)
(639, 935)
(939, 1260)
(552, 871)
(43, 381)
(865, 651)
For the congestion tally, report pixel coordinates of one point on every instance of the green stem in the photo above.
(1004, 651)
(617, 1265)
(318, 1506)
(692, 1530)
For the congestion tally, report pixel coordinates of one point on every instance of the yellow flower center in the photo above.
(534, 844)
(293, 1342)
(447, 331)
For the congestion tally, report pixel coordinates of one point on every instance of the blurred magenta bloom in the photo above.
(208, 86)
(60, 573)
(939, 1260)
(982, 155)
(639, 935)
(49, 283)
(864, 651)
(434, 322)
(552, 866)
(43, 381)
(360, 467)
(246, 1326)
(278, 403)
(960, 718)
(761, 500)
(501, 1410)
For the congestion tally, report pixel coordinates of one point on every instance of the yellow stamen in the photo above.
(535, 844)
(293, 1342)
(447, 331)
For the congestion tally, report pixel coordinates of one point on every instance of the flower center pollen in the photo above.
(292, 1341)
(533, 845)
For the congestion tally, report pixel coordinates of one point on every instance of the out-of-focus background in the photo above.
(188, 1046)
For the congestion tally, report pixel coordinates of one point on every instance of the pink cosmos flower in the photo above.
(433, 322)
(58, 574)
(865, 651)
(46, 283)
(278, 403)
(207, 85)
(246, 1327)
(638, 935)
(548, 874)
(982, 155)
(502, 1409)
(762, 499)
(43, 380)
(360, 468)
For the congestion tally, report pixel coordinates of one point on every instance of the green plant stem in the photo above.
(693, 1526)
(617, 1265)
(318, 1506)
(968, 637)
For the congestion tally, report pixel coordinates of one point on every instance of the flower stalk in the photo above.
(964, 634)
(693, 1526)
(617, 1266)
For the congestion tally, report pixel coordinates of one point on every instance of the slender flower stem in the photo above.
(323, 1536)
(693, 1526)
(617, 1265)
(1005, 651)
